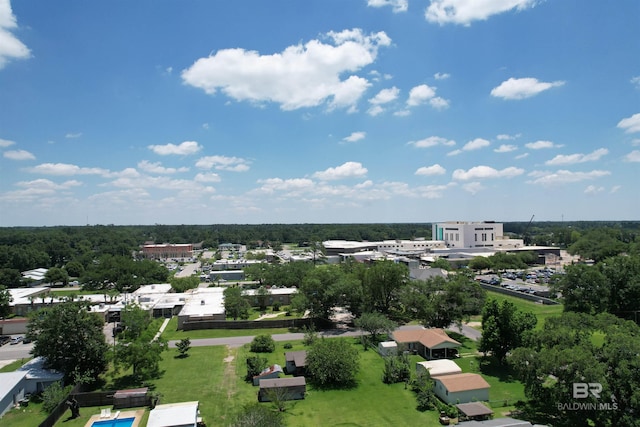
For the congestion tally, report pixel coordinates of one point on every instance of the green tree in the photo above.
(479, 263)
(263, 344)
(255, 365)
(10, 277)
(318, 292)
(375, 324)
(182, 284)
(56, 275)
(5, 302)
(382, 283)
(451, 300)
(503, 328)
(584, 289)
(262, 295)
(183, 346)
(333, 362)
(53, 395)
(70, 338)
(442, 263)
(74, 268)
(235, 304)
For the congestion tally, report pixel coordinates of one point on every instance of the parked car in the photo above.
(16, 340)
(4, 339)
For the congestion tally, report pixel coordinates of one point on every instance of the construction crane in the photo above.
(524, 233)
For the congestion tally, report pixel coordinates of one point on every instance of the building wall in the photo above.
(12, 397)
(461, 396)
(457, 234)
(167, 251)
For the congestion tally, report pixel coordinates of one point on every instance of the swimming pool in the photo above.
(120, 422)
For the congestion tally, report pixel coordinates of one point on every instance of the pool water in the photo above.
(120, 422)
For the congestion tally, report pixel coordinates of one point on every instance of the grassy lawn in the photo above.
(14, 365)
(171, 333)
(540, 310)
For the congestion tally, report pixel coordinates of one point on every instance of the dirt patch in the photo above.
(229, 376)
(474, 324)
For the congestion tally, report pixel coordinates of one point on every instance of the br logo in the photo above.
(582, 390)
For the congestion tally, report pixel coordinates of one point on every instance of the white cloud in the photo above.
(538, 145)
(564, 176)
(4, 143)
(615, 189)
(18, 155)
(73, 135)
(454, 152)
(484, 172)
(431, 170)
(466, 11)
(205, 126)
(295, 185)
(592, 189)
(185, 148)
(375, 110)
(48, 185)
(506, 137)
(522, 88)
(476, 144)
(355, 136)
(473, 187)
(158, 168)
(432, 141)
(234, 164)
(385, 96)
(505, 148)
(207, 177)
(441, 76)
(10, 46)
(635, 141)
(522, 156)
(633, 156)
(346, 170)
(439, 103)
(66, 169)
(300, 76)
(420, 94)
(570, 159)
(636, 81)
(398, 5)
(630, 124)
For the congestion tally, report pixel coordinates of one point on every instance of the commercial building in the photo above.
(485, 234)
(167, 251)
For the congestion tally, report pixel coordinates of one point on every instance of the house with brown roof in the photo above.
(291, 388)
(461, 388)
(296, 362)
(432, 343)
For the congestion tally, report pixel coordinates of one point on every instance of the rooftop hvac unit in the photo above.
(201, 302)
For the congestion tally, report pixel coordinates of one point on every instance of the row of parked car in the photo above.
(13, 341)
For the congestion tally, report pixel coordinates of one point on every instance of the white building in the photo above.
(486, 234)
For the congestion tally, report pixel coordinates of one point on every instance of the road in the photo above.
(15, 352)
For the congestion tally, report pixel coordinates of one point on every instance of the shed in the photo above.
(272, 371)
(292, 388)
(438, 367)
(183, 414)
(388, 348)
(473, 411)
(461, 388)
(295, 362)
(130, 398)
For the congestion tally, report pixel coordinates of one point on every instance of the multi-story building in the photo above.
(168, 250)
(485, 234)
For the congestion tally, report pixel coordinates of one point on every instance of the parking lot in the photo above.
(20, 350)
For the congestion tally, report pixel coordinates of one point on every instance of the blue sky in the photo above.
(203, 112)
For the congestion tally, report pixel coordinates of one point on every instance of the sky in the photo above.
(318, 111)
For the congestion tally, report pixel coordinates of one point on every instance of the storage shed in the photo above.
(272, 371)
(296, 362)
(388, 348)
(183, 414)
(292, 388)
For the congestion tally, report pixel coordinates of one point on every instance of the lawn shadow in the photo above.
(491, 366)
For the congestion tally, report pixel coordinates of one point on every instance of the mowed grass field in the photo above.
(541, 311)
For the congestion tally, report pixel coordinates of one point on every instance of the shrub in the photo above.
(53, 395)
(255, 365)
(276, 306)
(310, 335)
(396, 369)
(287, 345)
(263, 344)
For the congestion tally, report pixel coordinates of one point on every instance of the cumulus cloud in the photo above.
(47, 185)
(522, 88)
(636, 82)
(630, 124)
(564, 176)
(346, 170)
(505, 148)
(441, 76)
(158, 168)
(522, 156)
(234, 164)
(592, 189)
(476, 144)
(385, 96)
(570, 159)
(66, 169)
(397, 5)
(18, 155)
(423, 94)
(295, 185)
(431, 170)
(464, 12)
(432, 141)
(484, 172)
(473, 187)
(633, 156)
(454, 153)
(355, 136)
(10, 47)
(4, 143)
(539, 145)
(185, 148)
(207, 177)
(300, 76)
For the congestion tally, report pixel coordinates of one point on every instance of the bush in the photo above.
(53, 395)
(396, 369)
(288, 346)
(255, 365)
(276, 306)
(263, 344)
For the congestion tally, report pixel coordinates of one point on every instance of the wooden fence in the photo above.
(191, 325)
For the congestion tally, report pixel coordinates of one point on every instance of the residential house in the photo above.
(183, 414)
(438, 367)
(461, 388)
(432, 343)
(12, 389)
